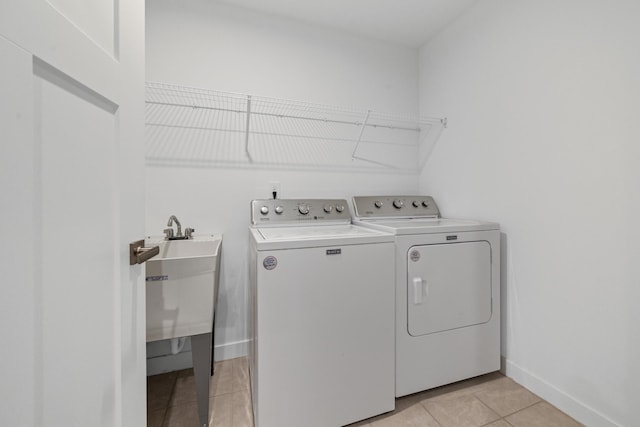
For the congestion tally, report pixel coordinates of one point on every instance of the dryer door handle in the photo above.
(420, 290)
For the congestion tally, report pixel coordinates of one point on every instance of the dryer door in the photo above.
(448, 286)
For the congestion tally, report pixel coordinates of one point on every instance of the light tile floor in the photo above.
(171, 397)
(491, 400)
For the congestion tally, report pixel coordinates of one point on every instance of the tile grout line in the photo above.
(167, 406)
(164, 416)
(430, 414)
(525, 408)
(173, 390)
(166, 410)
(233, 378)
(473, 393)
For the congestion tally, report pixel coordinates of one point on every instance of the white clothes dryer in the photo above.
(447, 295)
(322, 349)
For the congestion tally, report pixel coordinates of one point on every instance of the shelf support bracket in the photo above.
(246, 135)
(364, 125)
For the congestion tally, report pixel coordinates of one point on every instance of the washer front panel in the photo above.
(322, 324)
(323, 341)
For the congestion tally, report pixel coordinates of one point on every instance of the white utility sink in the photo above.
(182, 284)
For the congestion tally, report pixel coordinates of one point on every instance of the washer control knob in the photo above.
(279, 209)
(264, 210)
(303, 208)
(398, 204)
(377, 204)
(327, 208)
(339, 208)
(425, 204)
(415, 203)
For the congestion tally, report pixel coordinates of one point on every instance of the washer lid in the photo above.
(427, 225)
(327, 235)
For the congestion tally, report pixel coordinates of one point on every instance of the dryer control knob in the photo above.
(279, 209)
(377, 204)
(425, 204)
(264, 210)
(303, 209)
(398, 204)
(328, 208)
(415, 204)
(339, 208)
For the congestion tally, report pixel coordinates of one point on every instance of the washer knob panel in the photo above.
(276, 212)
(303, 209)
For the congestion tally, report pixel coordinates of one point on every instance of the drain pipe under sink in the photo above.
(177, 344)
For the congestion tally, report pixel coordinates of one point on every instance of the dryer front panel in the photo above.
(448, 286)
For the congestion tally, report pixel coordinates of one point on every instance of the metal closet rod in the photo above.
(287, 116)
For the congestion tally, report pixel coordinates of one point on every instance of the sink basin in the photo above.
(182, 284)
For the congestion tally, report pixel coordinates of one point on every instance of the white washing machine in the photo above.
(322, 350)
(447, 291)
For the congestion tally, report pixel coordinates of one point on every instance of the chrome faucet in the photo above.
(188, 233)
(173, 219)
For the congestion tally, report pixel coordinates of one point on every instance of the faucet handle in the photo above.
(188, 231)
(168, 233)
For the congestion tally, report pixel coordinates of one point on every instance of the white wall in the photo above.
(204, 44)
(542, 99)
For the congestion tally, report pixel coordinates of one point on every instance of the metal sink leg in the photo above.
(201, 354)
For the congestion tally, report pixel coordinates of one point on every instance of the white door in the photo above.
(71, 166)
(448, 286)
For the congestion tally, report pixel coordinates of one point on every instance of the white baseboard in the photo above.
(557, 397)
(169, 363)
(231, 350)
(175, 362)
